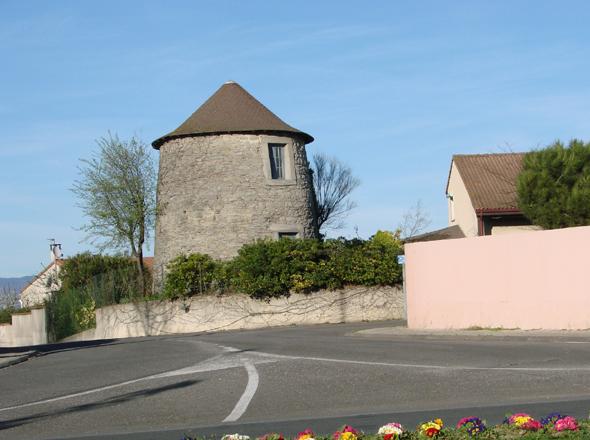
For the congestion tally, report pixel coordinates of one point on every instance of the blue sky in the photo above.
(392, 88)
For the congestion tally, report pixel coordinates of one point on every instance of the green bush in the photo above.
(69, 312)
(554, 185)
(368, 263)
(191, 274)
(89, 281)
(86, 268)
(273, 268)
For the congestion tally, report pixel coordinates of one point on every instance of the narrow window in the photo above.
(451, 207)
(288, 235)
(277, 160)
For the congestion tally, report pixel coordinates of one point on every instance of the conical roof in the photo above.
(231, 109)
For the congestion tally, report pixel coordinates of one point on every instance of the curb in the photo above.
(503, 334)
(13, 360)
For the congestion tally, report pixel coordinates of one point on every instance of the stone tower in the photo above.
(232, 173)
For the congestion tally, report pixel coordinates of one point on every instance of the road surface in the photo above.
(286, 379)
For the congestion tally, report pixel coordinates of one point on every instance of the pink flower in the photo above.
(566, 424)
(305, 435)
(463, 421)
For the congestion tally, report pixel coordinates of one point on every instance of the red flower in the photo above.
(531, 425)
(431, 432)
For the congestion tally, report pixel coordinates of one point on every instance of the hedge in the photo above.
(273, 268)
(89, 281)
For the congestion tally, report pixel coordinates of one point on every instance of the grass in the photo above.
(490, 329)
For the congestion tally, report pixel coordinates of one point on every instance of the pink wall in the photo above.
(528, 280)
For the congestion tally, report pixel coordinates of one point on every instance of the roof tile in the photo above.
(490, 179)
(231, 109)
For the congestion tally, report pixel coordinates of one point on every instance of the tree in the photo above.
(554, 185)
(414, 221)
(333, 182)
(9, 298)
(116, 191)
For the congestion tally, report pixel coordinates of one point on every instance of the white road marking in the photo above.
(233, 357)
(249, 392)
(215, 363)
(70, 396)
(421, 366)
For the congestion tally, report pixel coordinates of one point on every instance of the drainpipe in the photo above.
(480, 225)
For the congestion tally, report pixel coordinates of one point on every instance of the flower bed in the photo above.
(515, 426)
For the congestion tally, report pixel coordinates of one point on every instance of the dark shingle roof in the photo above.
(231, 109)
(490, 179)
(440, 234)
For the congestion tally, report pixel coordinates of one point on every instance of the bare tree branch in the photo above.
(333, 183)
(414, 221)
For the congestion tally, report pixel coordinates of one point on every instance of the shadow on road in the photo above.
(127, 397)
(57, 347)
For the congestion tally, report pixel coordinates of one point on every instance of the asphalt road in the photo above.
(285, 380)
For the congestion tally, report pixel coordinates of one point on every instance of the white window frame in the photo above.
(289, 175)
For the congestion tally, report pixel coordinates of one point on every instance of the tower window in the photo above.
(277, 160)
(288, 235)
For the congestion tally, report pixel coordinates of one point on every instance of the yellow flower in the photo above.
(521, 420)
(348, 436)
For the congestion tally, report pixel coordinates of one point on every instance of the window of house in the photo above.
(451, 207)
(277, 160)
(288, 235)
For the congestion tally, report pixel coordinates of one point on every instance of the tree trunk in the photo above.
(141, 268)
(137, 253)
(142, 282)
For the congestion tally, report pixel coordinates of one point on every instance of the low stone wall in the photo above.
(232, 312)
(26, 329)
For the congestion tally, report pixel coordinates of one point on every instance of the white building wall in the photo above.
(461, 211)
(40, 289)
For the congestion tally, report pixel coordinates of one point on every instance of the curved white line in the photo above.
(182, 371)
(249, 392)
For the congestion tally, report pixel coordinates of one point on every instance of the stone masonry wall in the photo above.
(233, 312)
(215, 194)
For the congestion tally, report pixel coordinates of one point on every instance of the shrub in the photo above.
(192, 274)
(554, 185)
(89, 281)
(109, 279)
(367, 263)
(273, 268)
(69, 312)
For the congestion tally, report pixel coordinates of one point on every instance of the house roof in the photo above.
(147, 261)
(231, 109)
(58, 262)
(490, 179)
(440, 234)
